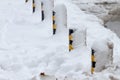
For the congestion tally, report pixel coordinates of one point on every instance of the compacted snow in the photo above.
(114, 26)
(27, 46)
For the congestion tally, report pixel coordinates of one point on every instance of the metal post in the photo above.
(54, 22)
(93, 62)
(42, 11)
(33, 5)
(70, 39)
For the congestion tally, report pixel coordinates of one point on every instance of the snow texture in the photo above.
(27, 46)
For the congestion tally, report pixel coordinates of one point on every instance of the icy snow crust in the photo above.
(27, 46)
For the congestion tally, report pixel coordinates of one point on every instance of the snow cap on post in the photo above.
(60, 17)
(61, 14)
(103, 54)
(77, 38)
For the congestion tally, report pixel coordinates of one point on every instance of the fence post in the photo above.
(33, 5)
(93, 61)
(71, 31)
(60, 18)
(42, 11)
(54, 22)
(53, 18)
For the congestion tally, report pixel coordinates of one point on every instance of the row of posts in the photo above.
(71, 31)
(43, 14)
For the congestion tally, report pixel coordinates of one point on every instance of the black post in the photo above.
(33, 5)
(42, 11)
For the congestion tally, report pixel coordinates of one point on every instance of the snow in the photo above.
(27, 46)
(94, 1)
(114, 26)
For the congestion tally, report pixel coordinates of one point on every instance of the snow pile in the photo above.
(94, 1)
(27, 46)
(104, 9)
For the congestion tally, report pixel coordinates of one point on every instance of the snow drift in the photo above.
(28, 48)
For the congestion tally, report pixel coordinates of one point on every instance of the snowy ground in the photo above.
(27, 46)
(114, 25)
(104, 9)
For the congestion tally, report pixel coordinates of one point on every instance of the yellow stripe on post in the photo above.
(54, 26)
(33, 5)
(70, 47)
(70, 37)
(92, 70)
(53, 17)
(93, 58)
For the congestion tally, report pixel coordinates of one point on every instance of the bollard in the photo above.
(53, 18)
(93, 62)
(54, 23)
(26, 1)
(33, 5)
(60, 17)
(70, 39)
(42, 11)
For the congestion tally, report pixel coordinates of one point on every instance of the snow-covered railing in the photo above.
(77, 37)
(59, 14)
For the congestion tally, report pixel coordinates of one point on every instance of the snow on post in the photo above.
(42, 11)
(33, 5)
(61, 17)
(77, 38)
(103, 54)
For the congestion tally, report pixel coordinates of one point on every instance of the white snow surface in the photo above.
(27, 46)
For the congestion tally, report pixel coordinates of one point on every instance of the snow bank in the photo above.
(28, 48)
